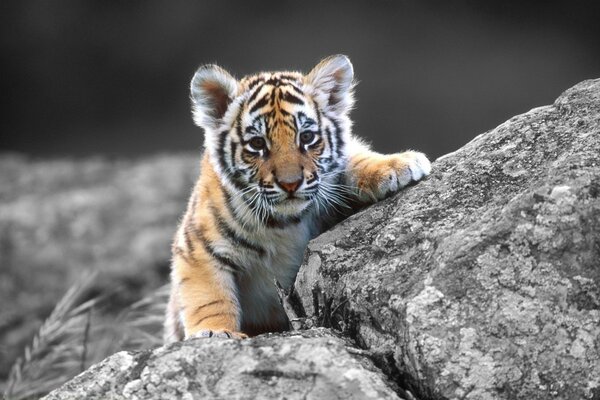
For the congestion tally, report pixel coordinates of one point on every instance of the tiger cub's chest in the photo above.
(285, 250)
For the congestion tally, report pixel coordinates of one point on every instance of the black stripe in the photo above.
(253, 95)
(319, 146)
(227, 231)
(221, 153)
(288, 77)
(208, 304)
(228, 204)
(223, 164)
(303, 148)
(181, 253)
(333, 166)
(298, 120)
(249, 156)
(237, 174)
(319, 130)
(305, 121)
(357, 163)
(211, 316)
(238, 125)
(281, 224)
(211, 250)
(338, 136)
(187, 238)
(190, 228)
(228, 262)
(296, 88)
(263, 101)
(318, 117)
(290, 98)
(255, 82)
(285, 112)
(274, 80)
(287, 122)
(314, 178)
(251, 129)
(329, 140)
(233, 149)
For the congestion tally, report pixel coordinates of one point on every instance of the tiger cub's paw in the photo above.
(389, 173)
(220, 333)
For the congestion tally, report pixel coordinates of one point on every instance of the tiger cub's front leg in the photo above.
(376, 176)
(206, 299)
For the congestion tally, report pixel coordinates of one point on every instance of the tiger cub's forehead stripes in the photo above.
(274, 99)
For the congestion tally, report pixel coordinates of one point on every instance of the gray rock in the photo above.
(482, 282)
(302, 365)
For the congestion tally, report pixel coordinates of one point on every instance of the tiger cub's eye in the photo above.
(306, 137)
(258, 143)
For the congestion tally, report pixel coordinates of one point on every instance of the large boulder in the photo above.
(482, 282)
(312, 364)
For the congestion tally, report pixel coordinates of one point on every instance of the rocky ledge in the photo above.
(312, 364)
(482, 282)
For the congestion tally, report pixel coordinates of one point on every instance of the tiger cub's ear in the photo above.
(212, 90)
(333, 78)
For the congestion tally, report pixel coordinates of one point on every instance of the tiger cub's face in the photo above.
(277, 139)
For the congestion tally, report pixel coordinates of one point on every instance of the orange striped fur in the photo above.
(280, 166)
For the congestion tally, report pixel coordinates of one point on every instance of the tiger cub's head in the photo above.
(277, 139)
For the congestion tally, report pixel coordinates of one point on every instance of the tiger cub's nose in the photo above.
(290, 187)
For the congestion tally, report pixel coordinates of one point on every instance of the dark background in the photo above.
(105, 77)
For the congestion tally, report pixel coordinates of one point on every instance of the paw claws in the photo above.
(402, 169)
(386, 174)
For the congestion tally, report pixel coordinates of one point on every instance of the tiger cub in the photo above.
(280, 166)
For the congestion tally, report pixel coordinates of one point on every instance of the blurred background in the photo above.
(98, 151)
(111, 77)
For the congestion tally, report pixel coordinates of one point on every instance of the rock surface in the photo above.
(482, 282)
(310, 364)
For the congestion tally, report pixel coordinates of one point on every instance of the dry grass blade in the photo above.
(143, 321)
(70, 340)
(59, 349)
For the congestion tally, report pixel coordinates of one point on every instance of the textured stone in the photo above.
(311, 364)
(483, 281)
